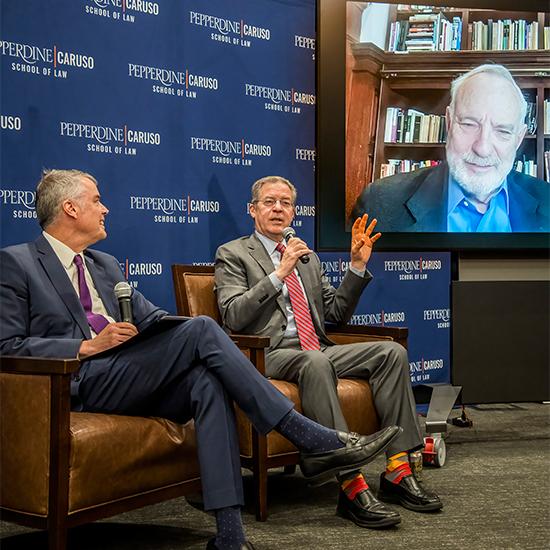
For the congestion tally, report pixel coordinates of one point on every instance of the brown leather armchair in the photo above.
(60, 469)
(194, 289)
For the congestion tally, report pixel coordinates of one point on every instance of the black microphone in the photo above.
(289, 233)
(123, 292)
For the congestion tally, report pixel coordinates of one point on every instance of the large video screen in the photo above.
(435, 120)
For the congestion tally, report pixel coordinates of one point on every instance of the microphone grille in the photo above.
(288, 233)
(123, 290)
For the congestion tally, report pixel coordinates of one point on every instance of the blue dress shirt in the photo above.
(462, 215)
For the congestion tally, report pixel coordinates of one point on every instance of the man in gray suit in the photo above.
(264, 289)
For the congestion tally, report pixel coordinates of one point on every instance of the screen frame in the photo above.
(330, 224)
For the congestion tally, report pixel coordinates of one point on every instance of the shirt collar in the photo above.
(269, 244)
(456, 195)
(63, 252)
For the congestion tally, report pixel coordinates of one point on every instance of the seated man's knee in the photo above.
(398, 354)
(397, 349)
(203, 324)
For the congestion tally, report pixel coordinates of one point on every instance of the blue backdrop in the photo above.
(176, 107)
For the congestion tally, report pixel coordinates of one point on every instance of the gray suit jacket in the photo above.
(250, 304)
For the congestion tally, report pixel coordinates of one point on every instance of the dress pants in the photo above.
(190, 370)
(384, 364)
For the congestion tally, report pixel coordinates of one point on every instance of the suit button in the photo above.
(283, 327)
(77, 377)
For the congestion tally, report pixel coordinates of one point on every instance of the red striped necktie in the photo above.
(302, 315)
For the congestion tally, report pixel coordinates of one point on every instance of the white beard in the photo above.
(480, 186)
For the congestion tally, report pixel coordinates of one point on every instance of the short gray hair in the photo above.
(257, 187)
(494, 70)
(54, 187)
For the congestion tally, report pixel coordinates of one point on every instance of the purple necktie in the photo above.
(96, 321)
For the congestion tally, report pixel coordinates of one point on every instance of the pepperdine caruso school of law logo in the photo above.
(139, 269)
(442, 317)
(20, 202)
(423, 369)
(173, 82)
(412, 270)
(110, 140)
(184, 209)
(121, 10)
(230, 152)
(52, 62)
(11, 123)
(278, 99)
(230, 31)
(306, 43)
(379, 318)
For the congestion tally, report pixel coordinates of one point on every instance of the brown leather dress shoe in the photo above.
(365, 510)
(410, 494)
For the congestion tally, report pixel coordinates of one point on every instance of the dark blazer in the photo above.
(417, 201)
(249, 302)
(41, 314)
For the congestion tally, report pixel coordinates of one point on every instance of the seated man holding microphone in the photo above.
(58, 301)
(268, 287)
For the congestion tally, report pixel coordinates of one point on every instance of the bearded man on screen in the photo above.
(476, 189)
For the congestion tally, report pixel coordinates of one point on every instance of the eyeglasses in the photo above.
(270, 202)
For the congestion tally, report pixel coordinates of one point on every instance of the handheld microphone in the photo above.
(123, 292)
(289, 233)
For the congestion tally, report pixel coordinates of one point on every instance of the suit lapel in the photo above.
(62, 284)
(106, 293)
(428, 204)
(257, 250)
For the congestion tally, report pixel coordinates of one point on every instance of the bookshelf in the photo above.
(420, 81)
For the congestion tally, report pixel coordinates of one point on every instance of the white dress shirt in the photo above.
(66, 257)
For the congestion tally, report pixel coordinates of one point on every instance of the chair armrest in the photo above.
(253, 347)
(362, 333)
(248, 341)
(38, 365)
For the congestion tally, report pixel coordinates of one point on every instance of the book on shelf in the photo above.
(504, 35)
(546, 43)
(531, 118)
(528, 167)
(546, 117)
(413, 126)
(401, 166)
(425, 32)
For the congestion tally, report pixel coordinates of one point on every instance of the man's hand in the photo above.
(294, 249)
(362, 241)
(111, 336)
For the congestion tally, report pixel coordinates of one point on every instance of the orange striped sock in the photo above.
(397, 467)
(354, 486)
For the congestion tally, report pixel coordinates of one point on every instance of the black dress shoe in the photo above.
(212, 545)
(409, 493)
(358, 450)
(366, 510)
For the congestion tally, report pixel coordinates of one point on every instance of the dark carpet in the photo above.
(495, 487)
